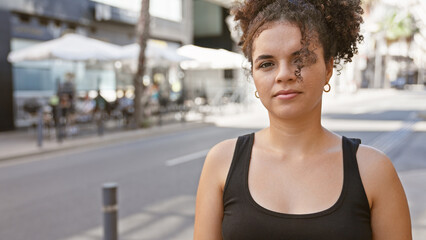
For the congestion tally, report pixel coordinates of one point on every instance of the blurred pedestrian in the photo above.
(84, 108)
(54, 103)
(101, 104)
(154, 92)
(295, 179)
(68, 87)
(100, 112)
(125, 105)
(67, 92)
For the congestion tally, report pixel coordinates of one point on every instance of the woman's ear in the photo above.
(329, 68)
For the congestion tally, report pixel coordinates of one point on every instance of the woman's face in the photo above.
(274, 52)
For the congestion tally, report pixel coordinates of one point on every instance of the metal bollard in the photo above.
(40, 128)
(59, 128)
(160, 116)
(100, 124)
(110, 209)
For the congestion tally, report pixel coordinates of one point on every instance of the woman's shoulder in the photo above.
(377, 171)
(390, 216)
(218, 160)
(373, 161)
(222, 149)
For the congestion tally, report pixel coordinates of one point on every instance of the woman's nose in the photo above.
(285, 72)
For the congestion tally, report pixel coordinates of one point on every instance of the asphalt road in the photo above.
(58, 196)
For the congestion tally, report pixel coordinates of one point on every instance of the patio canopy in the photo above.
(73, 47)
(155, 50)
(208, 58)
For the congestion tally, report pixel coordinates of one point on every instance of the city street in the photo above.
(58, 195)
(134, 94)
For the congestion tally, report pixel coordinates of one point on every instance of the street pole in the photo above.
(58, 112)
(40, 127)
(100, 123)
(378, 60)
(110, 209)
(143, 33)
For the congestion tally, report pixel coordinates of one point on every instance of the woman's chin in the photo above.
(286, 115)
(293, 113)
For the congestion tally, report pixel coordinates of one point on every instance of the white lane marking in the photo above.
(187, 158)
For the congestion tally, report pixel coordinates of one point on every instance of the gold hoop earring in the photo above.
(256, 94)
(329, 87)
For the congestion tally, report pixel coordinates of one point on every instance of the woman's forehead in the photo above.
(278, 36)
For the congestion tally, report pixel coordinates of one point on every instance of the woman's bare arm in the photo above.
(209, 203)
(390, 216)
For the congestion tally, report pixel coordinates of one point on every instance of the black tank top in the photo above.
(244, 219)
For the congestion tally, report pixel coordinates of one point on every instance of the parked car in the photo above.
(399, 83)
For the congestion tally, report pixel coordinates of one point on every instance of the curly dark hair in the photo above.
(334, 24)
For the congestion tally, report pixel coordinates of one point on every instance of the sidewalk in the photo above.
(23, 143)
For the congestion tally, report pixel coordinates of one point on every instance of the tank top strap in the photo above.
(236, 173)
(350, 147)
(356, 195)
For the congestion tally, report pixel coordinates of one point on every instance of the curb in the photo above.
(96, 141)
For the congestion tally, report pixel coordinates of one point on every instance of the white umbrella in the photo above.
(153, 51)
(71, 47)
(208, 58)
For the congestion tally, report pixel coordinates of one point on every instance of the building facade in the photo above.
(27, 22)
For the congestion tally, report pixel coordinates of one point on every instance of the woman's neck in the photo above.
(297, 138)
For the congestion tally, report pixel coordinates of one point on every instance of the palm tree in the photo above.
(399, 26)
(143, 33)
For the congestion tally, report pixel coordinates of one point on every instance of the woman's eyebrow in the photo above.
(262, 57)
(296, 53)
(267, 56)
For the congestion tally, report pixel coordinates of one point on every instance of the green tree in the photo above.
(399, 25)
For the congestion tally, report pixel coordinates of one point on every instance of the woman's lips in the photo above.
(287, 94)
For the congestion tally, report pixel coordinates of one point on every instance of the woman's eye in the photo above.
(295, 61)
(265, 65)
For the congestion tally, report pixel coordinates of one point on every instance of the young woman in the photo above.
(295, 179)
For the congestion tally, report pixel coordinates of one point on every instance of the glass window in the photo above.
(208, 19)
(30, 79)
(166, 9)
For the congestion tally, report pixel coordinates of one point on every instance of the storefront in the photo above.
(110, 21)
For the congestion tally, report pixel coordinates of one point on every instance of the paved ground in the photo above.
(57, 196)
